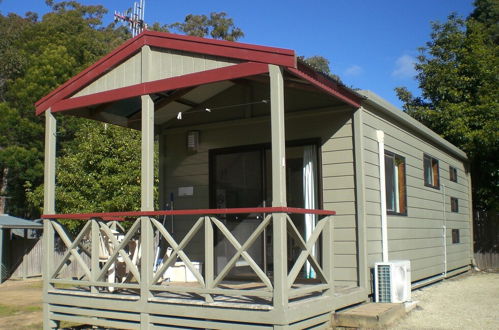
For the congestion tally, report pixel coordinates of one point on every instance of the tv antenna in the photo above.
(134, 18)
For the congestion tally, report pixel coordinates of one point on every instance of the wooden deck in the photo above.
(125, 310)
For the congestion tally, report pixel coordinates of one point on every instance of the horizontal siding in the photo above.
(172, 63)
(167, 64)
(338, 182)
(125, 74)
(418, 235)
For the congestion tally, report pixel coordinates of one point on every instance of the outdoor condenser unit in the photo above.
(392, 281)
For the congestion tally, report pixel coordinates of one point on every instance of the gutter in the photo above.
(397, 114)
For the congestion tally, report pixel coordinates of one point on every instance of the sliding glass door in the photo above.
(242, 177)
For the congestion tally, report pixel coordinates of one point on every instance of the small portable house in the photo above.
(280, 189)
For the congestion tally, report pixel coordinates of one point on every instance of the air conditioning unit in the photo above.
(392, 281)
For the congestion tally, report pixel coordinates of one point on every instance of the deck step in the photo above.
(369, 315)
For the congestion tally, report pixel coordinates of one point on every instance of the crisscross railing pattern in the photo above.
(209, 285)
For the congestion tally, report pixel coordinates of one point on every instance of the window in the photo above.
(396, 199)
(431, 178)
(454, 204)
(453, 174)
(455, 236)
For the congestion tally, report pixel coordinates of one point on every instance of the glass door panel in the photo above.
(244, 179)
(301, 192)
(238, 178)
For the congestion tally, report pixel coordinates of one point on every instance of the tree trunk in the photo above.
(3, 190)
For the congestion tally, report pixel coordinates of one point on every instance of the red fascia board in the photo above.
(116, 215)
(189, 80)
(328, 86)
(254, 53)
(234, 50)
(224, 43)
(91, 73)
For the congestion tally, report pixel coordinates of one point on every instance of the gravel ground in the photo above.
(469, 301)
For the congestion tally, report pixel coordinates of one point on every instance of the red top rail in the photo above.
(120, 215)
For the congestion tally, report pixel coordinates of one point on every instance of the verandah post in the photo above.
(94, 259)
(147, 192)
(208, 255)
(48, 208)
(278, 187)
(328, 253)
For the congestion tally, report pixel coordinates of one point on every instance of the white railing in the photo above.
(112, 259)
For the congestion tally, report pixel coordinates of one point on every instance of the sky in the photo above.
(371, 44)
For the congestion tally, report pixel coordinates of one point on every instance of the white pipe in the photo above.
(382, 191)
(444, 229)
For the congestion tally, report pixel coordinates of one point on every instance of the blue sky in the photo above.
(371, 44)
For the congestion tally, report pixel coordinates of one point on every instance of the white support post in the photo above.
(278, 187)
(48, 208)
(49, 170)
(147, 191)
(147, 162)
(147, 203)
(278, 136)
(94, 259)
(382, 192)
(328, 254)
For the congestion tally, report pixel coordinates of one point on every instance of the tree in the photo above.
(98, 171)
(321, 64)
(36, 56)
(458, 74)
(217, 26)
(12, 28)
(45, 54)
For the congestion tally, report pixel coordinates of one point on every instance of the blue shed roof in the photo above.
(10, 222)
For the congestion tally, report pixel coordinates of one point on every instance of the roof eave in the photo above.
(392, 111)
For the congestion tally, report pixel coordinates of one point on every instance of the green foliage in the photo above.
(217, 26)
(99, 171)
(36, 57)
(321, 64)
(12, 29)
(458, 73)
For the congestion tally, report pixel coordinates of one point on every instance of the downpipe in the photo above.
(380, 135)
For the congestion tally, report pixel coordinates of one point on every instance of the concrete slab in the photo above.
(369, 315)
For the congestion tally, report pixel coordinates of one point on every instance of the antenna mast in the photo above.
(135, 19)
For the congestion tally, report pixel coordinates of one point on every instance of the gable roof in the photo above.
(247, 53)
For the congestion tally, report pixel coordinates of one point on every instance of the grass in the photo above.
(6, 310)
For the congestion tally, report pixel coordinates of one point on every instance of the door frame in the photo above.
(212, 153)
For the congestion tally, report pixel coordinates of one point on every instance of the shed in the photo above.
(287, 188)
(7, 225)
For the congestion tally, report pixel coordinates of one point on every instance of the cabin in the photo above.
(280, 190)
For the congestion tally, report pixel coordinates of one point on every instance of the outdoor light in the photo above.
(192, 141)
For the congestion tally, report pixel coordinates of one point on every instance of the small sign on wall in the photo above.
(185, 191)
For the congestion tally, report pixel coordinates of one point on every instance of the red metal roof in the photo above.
(256, 55)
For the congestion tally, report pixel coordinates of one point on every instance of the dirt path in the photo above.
(21, 304)
(466, 302)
